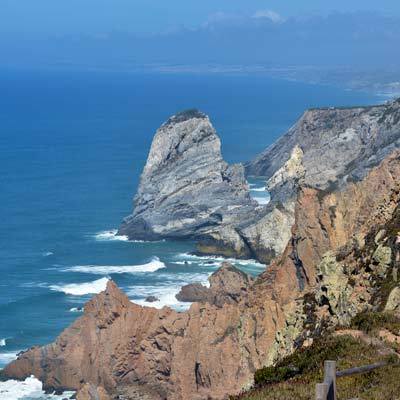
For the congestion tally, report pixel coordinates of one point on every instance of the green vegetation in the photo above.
(371, 322)
(295, 376)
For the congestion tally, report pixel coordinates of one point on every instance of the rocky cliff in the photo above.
(337, 145)
(188, 191)
(339, 261)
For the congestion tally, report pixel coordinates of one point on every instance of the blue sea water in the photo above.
(72, 146)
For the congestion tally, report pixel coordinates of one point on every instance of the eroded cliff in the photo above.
(339, 261)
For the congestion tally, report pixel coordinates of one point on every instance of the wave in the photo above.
(165, 292)
(31, 388)
(6, 358)
(259, 189)
(76, 309)
(2, 342)
(152, 266)
(81, 289)
(261, 200)
(47, 253)
(216, 260)
(111, 235)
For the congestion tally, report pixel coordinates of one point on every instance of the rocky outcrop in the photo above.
(90, 392)
(186, 188)
(188, 191)
(325, 275)
(338, 145)
(227, 286)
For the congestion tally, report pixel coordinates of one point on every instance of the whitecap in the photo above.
(6, 358)
(164, 294)
(111, 235)
(76, 309)
(213, 261)
(259, 189)
(81, 289)
(31, 388)
(2, 342)
(154, 265)
(261, 200)
(47, 253)
(166, 291)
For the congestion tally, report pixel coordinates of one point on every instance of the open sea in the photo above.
(72, 147)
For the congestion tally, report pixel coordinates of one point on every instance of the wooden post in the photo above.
(321, 391)
(330, 379)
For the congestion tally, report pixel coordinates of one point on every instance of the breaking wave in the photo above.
(111, 235)
(31, 388)
(81, 289)
(154, 265)
(258, 189)
(261, 200)
(187, 258)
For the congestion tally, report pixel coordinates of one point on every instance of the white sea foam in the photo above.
(2, 342)
(30, 389)
(166, 291)
(164, 294)
(258, 189)
(76, 310)
(6, 358)
(209, 260)
(47, 253)
(152, 266)
(81, 289)
(111, 235)
(261, 200)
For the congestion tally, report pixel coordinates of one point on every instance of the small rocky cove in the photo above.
(329, 236)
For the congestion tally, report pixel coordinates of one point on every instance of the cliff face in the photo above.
(210, 350)
(186, 188)
(339, 145)
(188, 191)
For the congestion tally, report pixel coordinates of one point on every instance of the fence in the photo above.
(327, 389)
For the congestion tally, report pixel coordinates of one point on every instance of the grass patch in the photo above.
(371, 322)
(295, 376)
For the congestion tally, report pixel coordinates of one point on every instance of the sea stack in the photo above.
(186, 189)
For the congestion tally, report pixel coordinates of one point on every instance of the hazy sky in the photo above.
(100, 16)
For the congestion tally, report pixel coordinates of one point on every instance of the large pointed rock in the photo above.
(186, 188)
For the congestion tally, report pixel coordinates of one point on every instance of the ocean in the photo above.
(72, 147)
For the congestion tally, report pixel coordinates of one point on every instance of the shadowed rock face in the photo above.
(227, 285)
(338, 145)
(208, 351)
(186, 188)
(188, 191)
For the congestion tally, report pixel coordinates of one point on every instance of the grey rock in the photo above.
(187, 190)
(151, 299)
(339, 145)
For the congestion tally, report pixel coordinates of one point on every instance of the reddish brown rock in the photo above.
(208, 351)
(90, 392)
(227, 285)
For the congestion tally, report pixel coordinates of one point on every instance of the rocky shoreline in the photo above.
(330, 231)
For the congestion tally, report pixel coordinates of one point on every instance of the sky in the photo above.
(61, 17)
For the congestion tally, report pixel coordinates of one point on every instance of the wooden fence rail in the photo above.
(327, 389)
